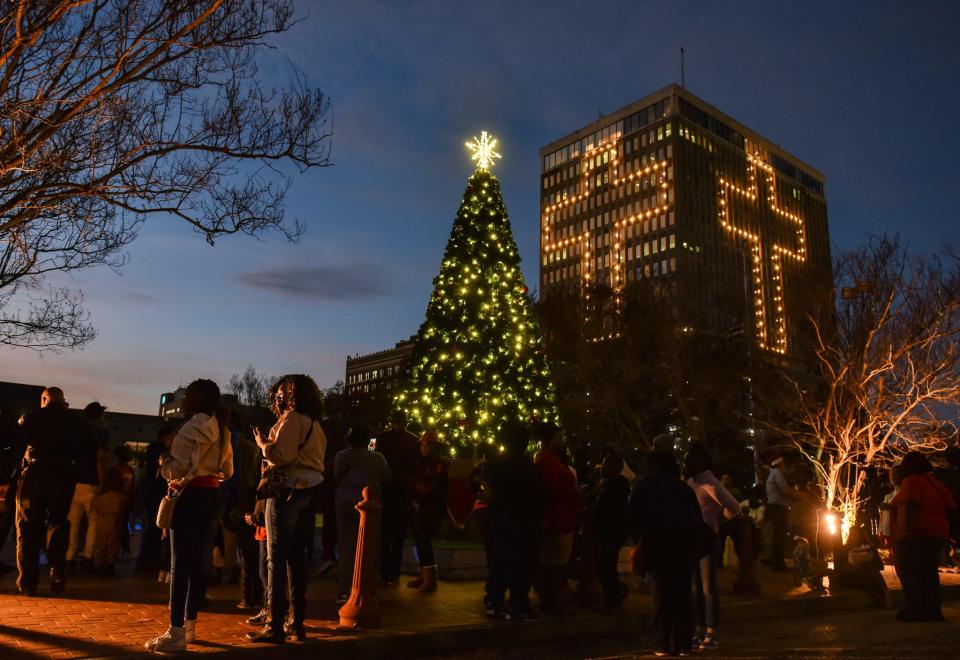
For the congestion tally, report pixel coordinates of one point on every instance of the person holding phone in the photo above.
(296, 445)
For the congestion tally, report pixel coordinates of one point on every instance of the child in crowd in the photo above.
(109, 515)
(610, 511)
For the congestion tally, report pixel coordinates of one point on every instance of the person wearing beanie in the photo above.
(427, 490)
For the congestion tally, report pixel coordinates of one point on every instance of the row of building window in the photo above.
(628, 124)
(605, 273)
(372, 374)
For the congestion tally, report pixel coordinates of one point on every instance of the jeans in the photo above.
(43, 502)
(672, 609)
(192, 516)
(778, 520)
(425, 523)
(80, 506)
(393, 531)
(706, 598)
(514, 550)
(151, 542)
(290, 520)
(918, 561)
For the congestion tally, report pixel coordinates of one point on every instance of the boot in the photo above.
(417, 582)
(428, 579)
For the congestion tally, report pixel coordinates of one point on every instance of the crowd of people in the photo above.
(218, 495)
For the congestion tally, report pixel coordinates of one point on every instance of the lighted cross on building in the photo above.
(769, 252)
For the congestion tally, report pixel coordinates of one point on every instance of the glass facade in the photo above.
(671, 189)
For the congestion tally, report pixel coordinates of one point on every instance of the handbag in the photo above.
(273, 479)
(165, 512)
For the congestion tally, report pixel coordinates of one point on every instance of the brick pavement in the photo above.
(101, 617)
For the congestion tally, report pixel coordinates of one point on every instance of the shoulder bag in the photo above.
(274, 478)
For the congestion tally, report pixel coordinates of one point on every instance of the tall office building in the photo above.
(670, 188)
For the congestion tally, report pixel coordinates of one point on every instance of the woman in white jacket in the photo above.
(200, 458)
(295, 446)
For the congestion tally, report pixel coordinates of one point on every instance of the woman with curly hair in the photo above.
(294, 449)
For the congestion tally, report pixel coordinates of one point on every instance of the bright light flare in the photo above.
(483, 152)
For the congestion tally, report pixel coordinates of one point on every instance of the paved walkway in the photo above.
(112, 617)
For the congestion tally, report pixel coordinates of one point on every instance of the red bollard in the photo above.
(362, 610)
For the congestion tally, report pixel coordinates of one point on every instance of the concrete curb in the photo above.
(584, 626)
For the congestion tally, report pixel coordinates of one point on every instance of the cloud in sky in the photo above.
(359, 282)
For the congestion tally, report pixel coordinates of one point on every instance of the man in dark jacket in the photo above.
(11, 455)
(515, 505)
(54, 436)
(666, 519)
(402, 451)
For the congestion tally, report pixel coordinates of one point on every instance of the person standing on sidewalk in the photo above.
(402, 451)
(55, 438)
(515, 502)
(90, 478)
(200, 458)
(610, 515)
(924, 506)
(666, 521)
(428, 504)
(777, 511)
(562, 517)
(296, 445)
(716, 505)
(354, 469)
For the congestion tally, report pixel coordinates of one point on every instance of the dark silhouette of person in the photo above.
(665, 518)
(54, 437)
(402, 451)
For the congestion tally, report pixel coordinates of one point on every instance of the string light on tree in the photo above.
(478, 359)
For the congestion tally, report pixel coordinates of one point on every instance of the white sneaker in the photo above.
(190, 630)
(171, 641)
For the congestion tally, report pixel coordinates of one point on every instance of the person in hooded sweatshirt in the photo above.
(354, 469)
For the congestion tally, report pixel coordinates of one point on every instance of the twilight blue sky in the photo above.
(867, 92)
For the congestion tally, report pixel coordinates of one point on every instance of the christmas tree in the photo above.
(478, 359)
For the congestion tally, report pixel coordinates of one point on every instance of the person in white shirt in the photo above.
(200, 458)
(295, 446)
(716, 505)
(779, 496)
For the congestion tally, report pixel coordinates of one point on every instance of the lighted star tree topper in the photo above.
(479, 359)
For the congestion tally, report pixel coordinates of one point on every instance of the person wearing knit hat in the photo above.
(428, 501)
(779, 496)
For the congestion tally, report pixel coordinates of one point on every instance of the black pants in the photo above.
(514, 551)
(250, 557)
(672, 606)
(393, 531)
(43, 502)
(328, 503)
(289, 530)
(193, 515)
(150, 544)
(607, 555)
(778, 520)
(918, 562)
(425, 523)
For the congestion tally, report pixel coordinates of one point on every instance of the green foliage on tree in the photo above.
(479, 357)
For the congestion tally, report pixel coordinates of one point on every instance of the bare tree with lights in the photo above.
(890, 364)
(112, 112)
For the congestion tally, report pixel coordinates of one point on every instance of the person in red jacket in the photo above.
(924, 507)
(562, 516)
